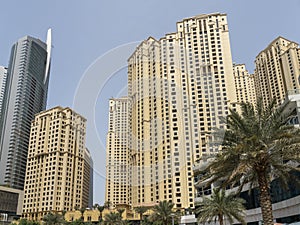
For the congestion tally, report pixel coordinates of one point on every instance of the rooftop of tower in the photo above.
(61, 109)
(37, 40)
(274, 42)
(169, 35)
(201, 16)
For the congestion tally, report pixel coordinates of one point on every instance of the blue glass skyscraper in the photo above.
(25, 95)
(3, 75)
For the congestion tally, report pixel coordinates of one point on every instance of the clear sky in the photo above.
(90, 46)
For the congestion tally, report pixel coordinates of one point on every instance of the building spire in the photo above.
(49, 46)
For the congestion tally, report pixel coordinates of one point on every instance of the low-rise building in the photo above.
(11, 201)
(94, 215)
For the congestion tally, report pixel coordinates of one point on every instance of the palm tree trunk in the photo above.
(265, 199)
(220, 219)
(141, 218)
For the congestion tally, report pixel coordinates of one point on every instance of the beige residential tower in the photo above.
(179, 87)
(244, 84)
(277, 70)
(58, 172)
(117, 149)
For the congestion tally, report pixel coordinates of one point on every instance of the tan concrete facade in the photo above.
(56, 163)
(244, 84)
(277, 70)
(179, 87)
(117, 148)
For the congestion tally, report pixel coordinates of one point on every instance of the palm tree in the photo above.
(121, 211)
(76, 222)
(163, 212)
(100, 209)
(107, 204)
(255, 149)
(141, 210)
(26, 222)
(95, 206)
(113, 218)
(82, 210)
(53, 219)
(63, 213)
(219, 206)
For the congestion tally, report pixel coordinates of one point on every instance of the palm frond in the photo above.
(257, 142)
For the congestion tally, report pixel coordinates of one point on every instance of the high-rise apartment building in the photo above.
(117, 153)
(179, 87)
(58, 165)
(3, 75)
(244, 84)
(88, 180)
(277, 70)
(25, 95)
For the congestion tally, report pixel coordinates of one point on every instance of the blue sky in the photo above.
(86, 33)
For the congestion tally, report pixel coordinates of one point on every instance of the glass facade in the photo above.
(25, 95)
(9, 202)
(279, 192)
